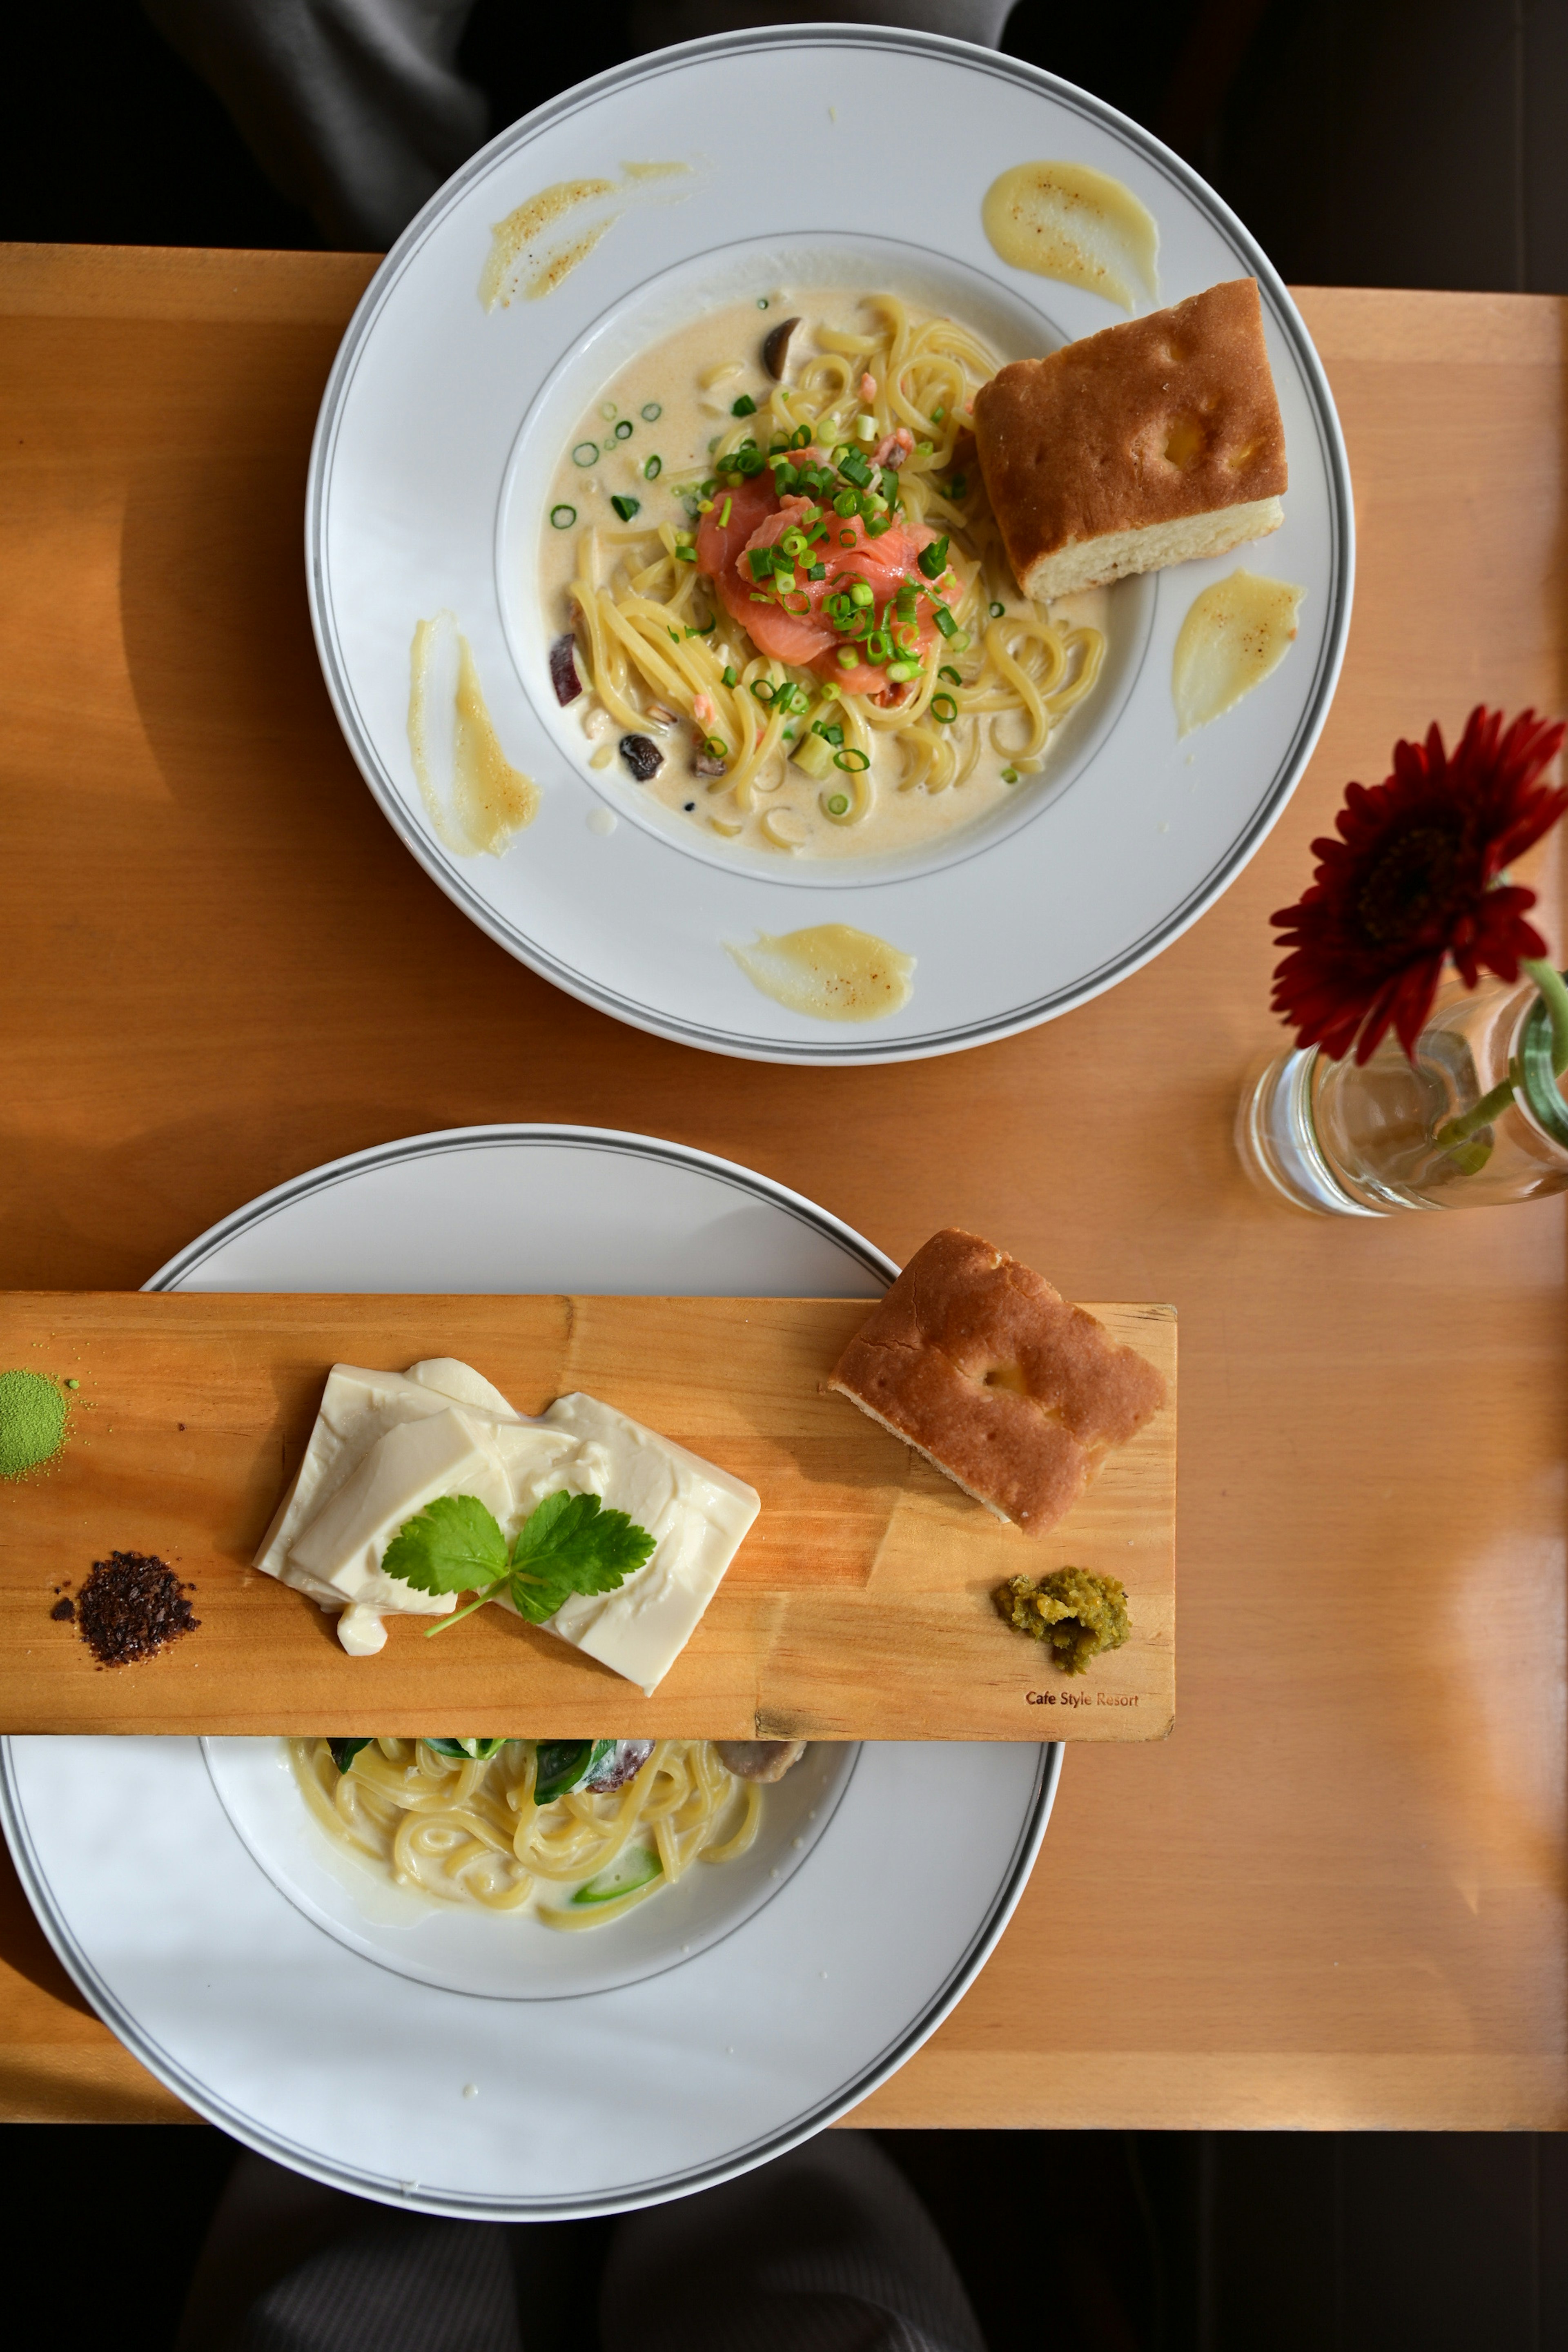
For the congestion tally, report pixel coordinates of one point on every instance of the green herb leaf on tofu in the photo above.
(453, 1545)
(569, 1544)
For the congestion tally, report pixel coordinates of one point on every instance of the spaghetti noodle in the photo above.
(778, 754)
(468, 1829)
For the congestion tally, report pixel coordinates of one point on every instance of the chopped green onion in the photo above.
(674, 636)
(853, 763)
(1009, 775)
(651, 411)
(847, 659)
(958, 488)
(762, 301)
(834, 735)
(945, 622)
(744, 407)
(686, 555)
(925, 448)
(951, 675)
(716, 746)
(865, 427)
(905, 599)
(761, 561)
(876, 524)
(998, 612)
(900, 672)
(845, 539)
(563, 516)
(624, 429)
(800, 610)
(879, 646)
(763, 690)
(607, 408)
(747, 461)
(783, 578)
(627, 507)
(838, 804)
(854, 468)
(943, 707)
(847, 504)
(724, 514)
(729, 676)
(862, 593)
(937, 415)
(958, 641)
(932, 559)
(817, 572)
(586, 453)
(653, 469)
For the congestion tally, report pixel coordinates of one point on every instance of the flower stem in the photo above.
(1554, 991)
(1554, 995)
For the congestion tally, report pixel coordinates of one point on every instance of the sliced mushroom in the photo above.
(704, 763)
(642, 756)
(775, 350)
(563, 672)
(759, 1759)
(624, 1762)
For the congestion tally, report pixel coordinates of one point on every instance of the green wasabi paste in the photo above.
(31, 1421)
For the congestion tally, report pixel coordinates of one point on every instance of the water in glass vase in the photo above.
(1393, 1134)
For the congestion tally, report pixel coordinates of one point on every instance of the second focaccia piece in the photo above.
(980, 1365)
(1142, 445)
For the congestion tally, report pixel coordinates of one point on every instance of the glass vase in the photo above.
(1477, 1118)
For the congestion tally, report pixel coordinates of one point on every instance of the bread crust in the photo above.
(1165, 418)
(1062, 1392)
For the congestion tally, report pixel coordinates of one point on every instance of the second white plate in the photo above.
(441, 426)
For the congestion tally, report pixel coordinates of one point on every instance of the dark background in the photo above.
(1400, 142)
(1367, 143)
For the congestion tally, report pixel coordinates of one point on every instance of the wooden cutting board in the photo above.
(858, 1608)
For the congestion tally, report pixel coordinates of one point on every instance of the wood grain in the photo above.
(858, 1607)
(1338, 1894)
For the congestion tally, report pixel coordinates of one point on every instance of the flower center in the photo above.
(1411, 880)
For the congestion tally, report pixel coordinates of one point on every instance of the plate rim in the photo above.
(413, 2196)
(812, 1051)
(436, 1142)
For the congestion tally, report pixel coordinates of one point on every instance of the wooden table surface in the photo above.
(1336, 1895)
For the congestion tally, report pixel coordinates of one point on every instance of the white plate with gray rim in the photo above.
(448, 2062)
(441, 428)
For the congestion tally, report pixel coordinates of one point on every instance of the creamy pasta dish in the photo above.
(577, 1831)
(781, 602)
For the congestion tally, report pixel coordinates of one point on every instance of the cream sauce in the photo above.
(1235, 634)
(831, 971)
(476, 800)
(536, 248)
(1068, 221)
(691, 379)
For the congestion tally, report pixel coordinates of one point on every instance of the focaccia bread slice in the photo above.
(980, 1365)
(1143, 446)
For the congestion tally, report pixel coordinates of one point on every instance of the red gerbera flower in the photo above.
(1413, 880)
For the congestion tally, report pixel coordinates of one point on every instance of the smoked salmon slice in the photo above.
(794, 627)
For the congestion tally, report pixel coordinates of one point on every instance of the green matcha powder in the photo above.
(31, 1421)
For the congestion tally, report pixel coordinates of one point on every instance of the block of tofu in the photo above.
(698, 1514)
(386, 1444)
(358, 1408)
(978, 1363)
(1146, 444)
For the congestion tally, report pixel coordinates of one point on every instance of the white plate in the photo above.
(325, 2024)
(441, 426)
